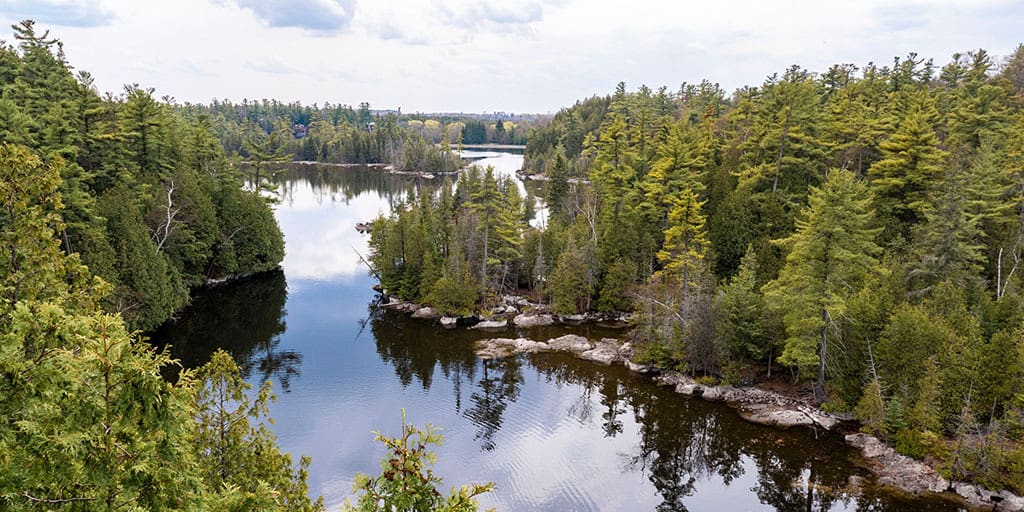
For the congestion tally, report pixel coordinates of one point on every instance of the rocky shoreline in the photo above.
(772, 409)
(753, 404)
(514, 310)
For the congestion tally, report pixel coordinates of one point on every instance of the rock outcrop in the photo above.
(916, 477)
(491, 324)
(607, 351)
(427, 313)
(533, 320)
(570, 343)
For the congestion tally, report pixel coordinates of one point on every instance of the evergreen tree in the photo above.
(558, 186)
(407, 481)
(571, 285)
(743, 307)
(831, 253)
(239, 451)
(146, 289)
(900, 181)
(686, 241)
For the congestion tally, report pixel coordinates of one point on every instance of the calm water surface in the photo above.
(554, 433)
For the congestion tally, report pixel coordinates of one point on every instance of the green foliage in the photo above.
(742, 321)
(831, 254)
(144, 199)
(234, 438)
(686, 241)
(558, 186)
(616, 290)
(146, 289)
(455, 292)
(910, 163)
(87, 419)
(407, 480)
(34, 266)
(870, 409)
(571, 284)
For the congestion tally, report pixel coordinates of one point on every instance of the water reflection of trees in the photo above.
(416, 349)
(499, 385)
(681, 443)
(685, 441)
(341, 184)
(246, 319)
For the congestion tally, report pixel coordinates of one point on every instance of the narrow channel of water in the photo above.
(554, 433)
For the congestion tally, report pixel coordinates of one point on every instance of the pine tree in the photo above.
(742, 323)
(686, 242)
(680, 165)
(33, 266)
(911, 162)
(948, 242)
(485, 202)
(831, 253)
(870, 409)
(558, 186)
(570, 284)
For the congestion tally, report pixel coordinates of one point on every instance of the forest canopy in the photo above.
(859, 228)
(148, 199)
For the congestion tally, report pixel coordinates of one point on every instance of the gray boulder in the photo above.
(532, 320)
(491, 324)
(570, 343)
(605, 351)
(427, 313)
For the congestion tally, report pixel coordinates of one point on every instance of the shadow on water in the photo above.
(246, 319)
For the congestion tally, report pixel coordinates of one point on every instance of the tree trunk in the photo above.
(782, 150)
(483, 265)
(819, 386)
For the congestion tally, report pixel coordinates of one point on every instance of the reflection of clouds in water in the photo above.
(319, 221)
(320, 231)
(541, 462)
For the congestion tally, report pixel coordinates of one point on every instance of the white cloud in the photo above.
(318, 15)
(70, 13)
(513, 56)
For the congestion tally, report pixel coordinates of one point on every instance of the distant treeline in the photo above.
(340, 134)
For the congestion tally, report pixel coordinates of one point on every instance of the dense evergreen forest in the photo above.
(148, 200)
(110, 207)
(859, 229)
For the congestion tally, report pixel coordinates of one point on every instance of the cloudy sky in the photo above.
(492, 55)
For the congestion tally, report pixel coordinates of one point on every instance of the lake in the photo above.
(554, 433)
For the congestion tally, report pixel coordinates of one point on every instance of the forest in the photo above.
(147, 198)
(271, 131)
(857, 230)
(110, 209)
